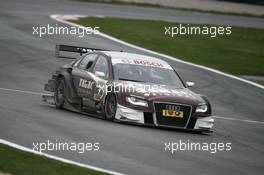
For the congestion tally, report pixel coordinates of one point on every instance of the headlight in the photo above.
(201, 108)
(137, 101)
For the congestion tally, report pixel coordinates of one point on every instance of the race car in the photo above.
(127, 87)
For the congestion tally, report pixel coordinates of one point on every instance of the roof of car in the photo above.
(132, 56)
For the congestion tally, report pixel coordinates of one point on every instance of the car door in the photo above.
(82, 79)
(100, 75)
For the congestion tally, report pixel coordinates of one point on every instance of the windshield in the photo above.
(147, 74)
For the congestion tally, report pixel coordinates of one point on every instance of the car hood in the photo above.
(157, 93)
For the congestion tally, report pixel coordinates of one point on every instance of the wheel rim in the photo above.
(60, 93)
(111, 107)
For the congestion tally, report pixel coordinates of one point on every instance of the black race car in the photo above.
(127, 87)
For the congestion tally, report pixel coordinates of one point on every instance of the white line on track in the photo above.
(240, 120)
(22, 91)
(60, 18)
(57, 158)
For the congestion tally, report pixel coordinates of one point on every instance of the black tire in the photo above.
(110, 107)
(59, 93)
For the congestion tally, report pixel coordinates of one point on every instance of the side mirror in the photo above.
(100, 74)
(69, 70)
(190, 84)
(90, 63)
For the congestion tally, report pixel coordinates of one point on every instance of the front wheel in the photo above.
(110, 107)
(59, 93)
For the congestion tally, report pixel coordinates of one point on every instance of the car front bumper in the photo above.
(135, 116)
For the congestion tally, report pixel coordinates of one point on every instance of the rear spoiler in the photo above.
(74, 49)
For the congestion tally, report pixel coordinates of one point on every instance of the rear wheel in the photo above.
(110, 107)
(59, 94)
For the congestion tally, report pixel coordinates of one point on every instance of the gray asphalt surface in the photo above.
(28, 61)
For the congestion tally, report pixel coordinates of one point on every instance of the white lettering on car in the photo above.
(85, 84)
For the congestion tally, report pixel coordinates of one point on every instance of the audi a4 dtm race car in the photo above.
(120, 86)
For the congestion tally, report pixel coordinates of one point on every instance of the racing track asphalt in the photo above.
(27, 62)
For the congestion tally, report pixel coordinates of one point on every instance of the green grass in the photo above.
(142, 4)
(241, 53)
(18, 162)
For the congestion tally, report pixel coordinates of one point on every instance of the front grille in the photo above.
(169, 120)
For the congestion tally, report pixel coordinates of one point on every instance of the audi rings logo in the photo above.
(173, 107)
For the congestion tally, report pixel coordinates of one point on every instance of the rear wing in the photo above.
(73, 49)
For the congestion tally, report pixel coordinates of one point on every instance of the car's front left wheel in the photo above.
(110, 106)
(59, 93)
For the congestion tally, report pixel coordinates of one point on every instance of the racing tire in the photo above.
(59, 93)
(110, 107)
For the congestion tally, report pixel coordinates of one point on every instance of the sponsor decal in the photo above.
(86, 84)
(171, 113)
(148, 63)
(142, 62)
